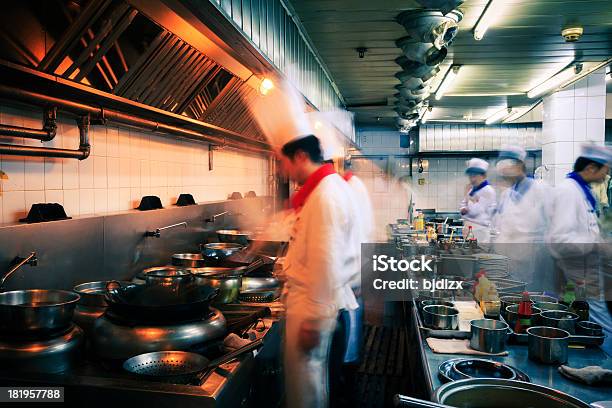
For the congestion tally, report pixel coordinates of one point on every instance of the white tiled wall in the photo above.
(571, 117)
(441, 137)
(124, 165)
(444, 184)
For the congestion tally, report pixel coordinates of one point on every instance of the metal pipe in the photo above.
(46, 134)
(100, 113)
(81, 153)
(157, 232)
(18, 262)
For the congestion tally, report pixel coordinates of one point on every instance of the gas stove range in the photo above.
(104, 381)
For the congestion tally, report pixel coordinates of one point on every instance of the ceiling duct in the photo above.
(410, 82)
(429, 26)
(406, 95)
(404, 123)
(416, 69)
(424, 53)
(443, 5)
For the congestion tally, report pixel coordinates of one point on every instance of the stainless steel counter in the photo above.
(546, 375)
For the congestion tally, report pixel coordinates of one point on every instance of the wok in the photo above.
(216, 252)
(36, 310)
(134, 302)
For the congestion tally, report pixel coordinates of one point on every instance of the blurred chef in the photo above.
(575, 237)
(479, 202)
(320, 263)
(521, 220)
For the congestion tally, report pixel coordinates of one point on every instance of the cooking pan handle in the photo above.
(111, 294)
(228, 357)
(402, 401)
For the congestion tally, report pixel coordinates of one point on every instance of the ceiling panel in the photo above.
(522, 48)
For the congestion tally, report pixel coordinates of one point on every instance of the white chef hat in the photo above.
(512, 152)
(331, 139)
(281, 115)
(476, 166)
(599, 154)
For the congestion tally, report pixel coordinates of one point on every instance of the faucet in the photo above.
(157, 232)
(17, 263)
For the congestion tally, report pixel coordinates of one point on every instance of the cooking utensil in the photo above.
(488, 335)
(92, 303)
(447, 372)
(543, 298)
(441, 317)
(216, 252)
(179, 367)
(234, 236)
(36, 310)
(589, 329)
(479, 368)
(226, 281)
(134, 301)
(507, 301)
(404, 401)
(559, 319)
(512, 315)
(428, 302)
(488, 392)
(188, 260)
(548, 344)
(549, 306)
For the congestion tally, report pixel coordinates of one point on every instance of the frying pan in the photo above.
(180, 367)
(129, 301)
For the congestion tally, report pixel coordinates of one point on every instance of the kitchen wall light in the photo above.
(450, 76)
(499, 115)
(490, 14)
(266, 86)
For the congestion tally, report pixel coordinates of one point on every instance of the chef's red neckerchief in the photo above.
(348, 175)
(299, 198)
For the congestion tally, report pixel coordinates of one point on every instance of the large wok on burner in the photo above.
(151, 303)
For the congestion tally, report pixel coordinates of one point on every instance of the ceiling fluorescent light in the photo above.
(492, 11)
(499, 115)
(520, 112)
(564, 78)
(450, 76)
(608, 73)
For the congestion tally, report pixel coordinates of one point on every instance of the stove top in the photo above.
(104, 380)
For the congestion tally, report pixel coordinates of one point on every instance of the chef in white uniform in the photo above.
(479, 202)
(575, 237)
(522, 219)
(319, 266)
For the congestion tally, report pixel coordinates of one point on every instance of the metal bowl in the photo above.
(188, 260)
(488, 392)
(559, 319)
(543, 298)
(429, 302)
(589, 329)
(234, 236)
(512, 314)
(550, 306)
(441, 317)
(93, 293)
(36, 310)
(219, 251)
(488, 335)
(548, 345)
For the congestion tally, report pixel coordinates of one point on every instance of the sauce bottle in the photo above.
(523, 322)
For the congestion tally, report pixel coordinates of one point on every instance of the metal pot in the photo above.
(429, 302)
(216, 252)
(548, 344)
(92, 303)
(512, 314)
(225, 279)
(234, 236)
(589, 329)
(488, 392)
(559, 319)
(35, 310)
(543, 298)
(441, 317)
(507, 301)
(188, 260)
(488, 335)
(550, 306)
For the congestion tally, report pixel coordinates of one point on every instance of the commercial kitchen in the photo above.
(306, 203)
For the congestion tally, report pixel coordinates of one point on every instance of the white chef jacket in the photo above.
(323, 253)
(365, 211)
(521, 223)
(479, 207)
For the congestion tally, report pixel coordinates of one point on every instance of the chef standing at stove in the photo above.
(321, 259)
(479, 202)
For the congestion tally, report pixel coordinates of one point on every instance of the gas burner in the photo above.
(36, 335)
(128, 321)
(47, 354)
(113, 339)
